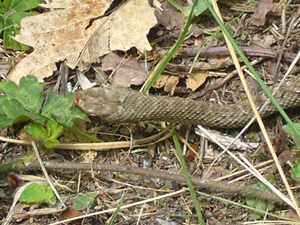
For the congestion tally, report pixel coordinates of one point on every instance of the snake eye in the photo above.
(79, 99)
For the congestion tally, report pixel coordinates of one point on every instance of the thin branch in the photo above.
(199, 183)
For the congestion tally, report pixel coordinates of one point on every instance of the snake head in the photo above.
(97, 102)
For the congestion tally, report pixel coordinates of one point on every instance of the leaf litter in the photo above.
(126, 71)
(65, 33)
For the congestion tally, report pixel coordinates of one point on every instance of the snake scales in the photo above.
(115, 104)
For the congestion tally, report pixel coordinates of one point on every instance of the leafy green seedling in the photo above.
(84, 201)
(295, 171)
(253, 137)
(258, 203)
(287, 128)
(11, 13)
(24, 102)
(37, 193)
(48, 135)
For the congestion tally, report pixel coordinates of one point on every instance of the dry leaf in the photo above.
(170, 17)
(168, 82)
(259, 16)
(288, 157)
(171, 84)
(192, 153)
(78, 33)
(195, 81)
(265, 41)
(125, 71)
(161, 81)
(15, 179)
(71, 213)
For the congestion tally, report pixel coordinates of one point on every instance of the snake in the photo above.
(124, 105)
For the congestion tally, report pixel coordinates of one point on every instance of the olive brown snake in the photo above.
(116, 104)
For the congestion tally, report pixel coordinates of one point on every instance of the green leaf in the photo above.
(1, 22)
(84, 201)
(9, 88)
(12, 29)
(22, 5)
(1, 8)
(14, 112)
(2, 99)
(258, 203)
(12, 12)
(53, 129)
(31, 93)
(50, 143)
(5, 121)
(36, 193)
(39, 133)
(24, 102)
(288, 129)
(21, 103)
(60, 107)
(295, 171)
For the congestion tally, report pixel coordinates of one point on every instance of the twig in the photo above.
(46, 173)
(200, 183)
(224, 81)
(223, 51)
(282, 48)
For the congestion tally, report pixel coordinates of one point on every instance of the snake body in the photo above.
(116, 104)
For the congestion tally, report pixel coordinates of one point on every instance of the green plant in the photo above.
(187, 177)
(27, 102)
(84, 201)
(37, 193)
(288, 129)
(170, 54)
(11, 13)
(114, 216)
(295, 171)
(260, 204)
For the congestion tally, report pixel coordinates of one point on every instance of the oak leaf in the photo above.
(80, 32)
